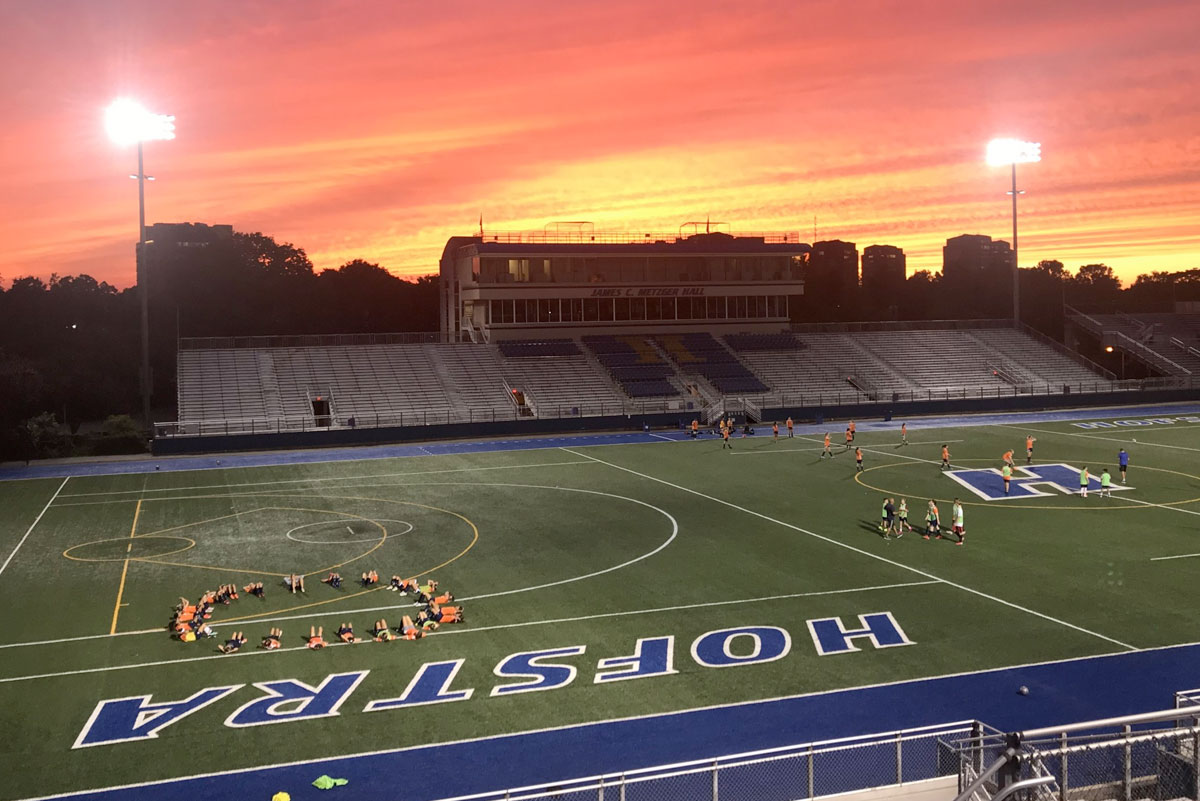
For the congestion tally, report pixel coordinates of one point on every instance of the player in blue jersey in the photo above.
(1123, 463)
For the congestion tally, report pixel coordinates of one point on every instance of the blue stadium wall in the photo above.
(342, 437)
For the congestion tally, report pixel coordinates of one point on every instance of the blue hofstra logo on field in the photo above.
(1031, 481)
(140, 717)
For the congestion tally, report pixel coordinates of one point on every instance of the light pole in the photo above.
(128, 122)
(1013, 152)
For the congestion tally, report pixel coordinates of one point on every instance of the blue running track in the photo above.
(318, 455)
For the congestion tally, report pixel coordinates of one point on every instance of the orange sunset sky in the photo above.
(378, 129)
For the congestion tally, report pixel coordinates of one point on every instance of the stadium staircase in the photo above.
(1167, 343)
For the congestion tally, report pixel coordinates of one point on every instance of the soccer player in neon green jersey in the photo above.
(1006, 471)
(1105, 483)
(959, 529)
(1084, 478)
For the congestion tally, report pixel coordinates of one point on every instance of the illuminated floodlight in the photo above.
(1012, 151)
(128, 122)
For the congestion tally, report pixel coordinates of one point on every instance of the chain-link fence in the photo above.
(783, 774)
(1153, 756)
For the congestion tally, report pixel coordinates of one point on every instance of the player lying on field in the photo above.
(345, 633)
(272, 641)
(333, 580)
(381, 632)
(316, 637)
(435, 614)
(294, 582)
(398, 584)
(255, 589)
(426, 594)
(409, 630)
(233, 643)
(369, 578)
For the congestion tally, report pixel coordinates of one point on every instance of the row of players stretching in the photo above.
(437, 609)
(187, 620)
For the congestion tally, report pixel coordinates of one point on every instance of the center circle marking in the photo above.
(375, 538)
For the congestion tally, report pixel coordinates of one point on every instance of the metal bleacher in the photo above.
(224, 384)
(556, 385)
(823, 365)
(272, 388)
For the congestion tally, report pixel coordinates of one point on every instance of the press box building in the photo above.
(552, 284)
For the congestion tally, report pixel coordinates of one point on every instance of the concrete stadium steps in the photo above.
(823, 366)
(557, 384)
(1173, 336)
(1041, 363)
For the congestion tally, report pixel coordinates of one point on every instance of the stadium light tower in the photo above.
(1013, 152)
(128, 122)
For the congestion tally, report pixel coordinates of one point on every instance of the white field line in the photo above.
(1107, 439)
(630, 718)
(869, 554)
(228, 486)
(1110, 439)
(837, 446)
(660, 436)
(464, 630)
(1180, 556)
(32, 526)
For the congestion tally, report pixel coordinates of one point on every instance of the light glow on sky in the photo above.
(379, 129)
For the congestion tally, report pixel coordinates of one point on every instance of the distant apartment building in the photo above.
(162, 236)
(975, 255)
(883, 270)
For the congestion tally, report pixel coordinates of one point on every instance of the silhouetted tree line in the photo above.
(71, 347)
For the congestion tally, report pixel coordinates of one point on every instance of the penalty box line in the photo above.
(875, 556)
(1109, 439)
(498, 626)
(871, 448)
(33, 525)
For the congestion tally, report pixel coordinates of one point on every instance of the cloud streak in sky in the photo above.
(377, 130)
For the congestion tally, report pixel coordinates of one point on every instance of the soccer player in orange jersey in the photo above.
(725, 442)
(904, 433)
(790, 425)
(316, 637)
(858, 460)
(1029, 440)
(1007, 458)
(945, 458)
(828, 450)
(775, 431)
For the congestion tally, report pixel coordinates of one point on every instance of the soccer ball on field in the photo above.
(1135, 439)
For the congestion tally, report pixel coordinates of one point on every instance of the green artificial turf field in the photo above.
(561, 548)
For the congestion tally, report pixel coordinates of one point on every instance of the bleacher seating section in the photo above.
(705, 355)
(516, 349)
(559, 384)
(635, 365)
(404, 384)
(752, 342)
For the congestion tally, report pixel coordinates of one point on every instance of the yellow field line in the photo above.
(125, 568)
(154, 561)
